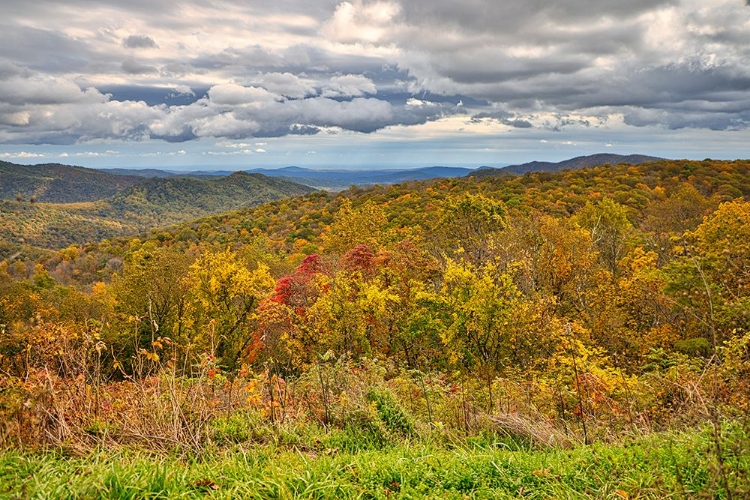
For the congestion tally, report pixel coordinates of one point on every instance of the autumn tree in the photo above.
(364, 225)
(284, 333)
(479, 307)
(151, 292)
(409, 272)
(607, 222)
(468, 223)
(223, 296)
(711, 279)
(550, 257)
(668, 217)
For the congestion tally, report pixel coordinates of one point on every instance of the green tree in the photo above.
(151, 291)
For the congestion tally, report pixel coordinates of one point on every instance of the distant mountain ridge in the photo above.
(572, 164)
(320, 179)
(336, 180)
(56, 183)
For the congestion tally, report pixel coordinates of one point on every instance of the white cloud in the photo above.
(22, 155)
(39, 89)
(361, 21)
(224, 125)
(286, 84)
(349, 86)
(230, 94)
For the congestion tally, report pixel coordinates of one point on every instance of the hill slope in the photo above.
(55, 183)
(181, 198)
(417, 203)
(572, 164)
(148, 204)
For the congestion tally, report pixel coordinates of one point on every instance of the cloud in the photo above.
(139, 42)
(236, 112)
(133, 67)
(231, 94)
(22, 154)
(503, 117)
(9, 70)
(39, 89)
(237, 70)
(349, 86)
(285, 84)
(361, 21)
(46, 50)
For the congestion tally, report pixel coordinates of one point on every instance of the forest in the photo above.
(554, 312)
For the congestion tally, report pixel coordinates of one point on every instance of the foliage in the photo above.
(549, 310)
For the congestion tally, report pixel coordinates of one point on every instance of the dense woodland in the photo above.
(562, 308)
(109, 207)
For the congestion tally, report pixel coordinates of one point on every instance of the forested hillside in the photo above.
(54, 183)
(571, 164)
(556, 308)
(146, 204)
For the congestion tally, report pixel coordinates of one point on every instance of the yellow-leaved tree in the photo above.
(479, 306)
(224, 293)
(364, 225)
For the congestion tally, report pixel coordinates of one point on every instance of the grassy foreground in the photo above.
(658, 466)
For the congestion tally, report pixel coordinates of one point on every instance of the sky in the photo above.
(370, 84)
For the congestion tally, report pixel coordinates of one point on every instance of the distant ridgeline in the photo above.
(572, 164)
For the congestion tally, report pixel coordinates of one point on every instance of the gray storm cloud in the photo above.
(298, 67)
(139, 42)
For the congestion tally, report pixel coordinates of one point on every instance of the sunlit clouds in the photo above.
(498, 82)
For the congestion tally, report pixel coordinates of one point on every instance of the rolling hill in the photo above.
(143, 205)
(55, 183)
(180, 198)
(336, 180)
(571, 164)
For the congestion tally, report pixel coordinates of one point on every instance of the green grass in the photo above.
(659, 466)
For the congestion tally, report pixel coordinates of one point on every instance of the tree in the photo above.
(479, 310)
(152, 289)
(668, 218)
(284, 332)
(550, 257)
(224, 294)
(361, 226)
(711, 279)
(468, 224)
(607, 222)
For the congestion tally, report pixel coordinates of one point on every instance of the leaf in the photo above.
(207, 484)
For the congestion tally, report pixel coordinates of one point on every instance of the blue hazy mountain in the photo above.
(320, 179)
